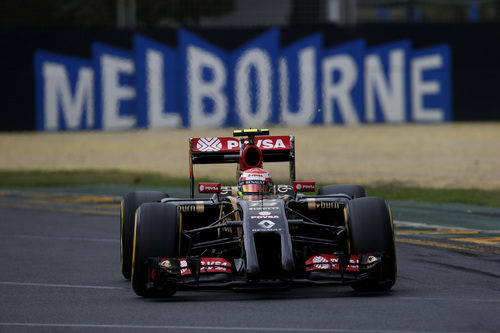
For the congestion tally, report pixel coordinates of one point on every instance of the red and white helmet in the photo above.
(254, 181)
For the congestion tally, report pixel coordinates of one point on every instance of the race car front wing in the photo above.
(216, 273)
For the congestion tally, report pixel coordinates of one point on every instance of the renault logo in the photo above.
(266, 224)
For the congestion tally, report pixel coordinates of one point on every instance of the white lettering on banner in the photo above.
(264, 144)
(231, 144)
(113, 92)
(340, 91)
(267, 143)
(58, 93)
(260, 61)
(390, 94)
(198, 89)
(307, 91)
(420, 88)
(155, 91)
(389, 83)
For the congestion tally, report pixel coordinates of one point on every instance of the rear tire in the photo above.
(157, 229)
(371, 231)
(131, 201)
(354, 191)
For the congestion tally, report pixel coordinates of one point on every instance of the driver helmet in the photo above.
(254, 182)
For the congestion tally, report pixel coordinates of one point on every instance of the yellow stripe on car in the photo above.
(133, 249)
(347, 229)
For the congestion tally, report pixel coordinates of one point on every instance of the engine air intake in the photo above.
(251, 157)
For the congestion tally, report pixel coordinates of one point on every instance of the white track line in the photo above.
(53, 285)
(213, 328)
(454, 299)
(418, 225)
(68, 238)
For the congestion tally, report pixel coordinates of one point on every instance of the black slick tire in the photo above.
(129, 204)
(371, 230)
(354, 191)
(157, 232)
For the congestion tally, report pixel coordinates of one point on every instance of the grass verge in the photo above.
(20, 179)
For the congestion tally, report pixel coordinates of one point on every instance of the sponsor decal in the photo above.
(207, 265)
(187, 208)
(266, 224)
(196, 207)
(209, 188)
(265, 213)
(313, 204)
(327, 205)
(284, 188)
(264, 217)
(304, 186)
(262, 208)
(197, 84)
(330, 262)
(165, 263)
(209, 144)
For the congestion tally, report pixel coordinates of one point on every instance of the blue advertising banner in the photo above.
(431, 84)
(300, 82)
(343, 83)
(255, 81)
(198, 84)
(204, 77)
(387, 83)
(114, 88)
(156, 77)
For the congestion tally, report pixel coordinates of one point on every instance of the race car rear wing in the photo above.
(253, 148)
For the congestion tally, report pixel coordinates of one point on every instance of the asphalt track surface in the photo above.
(60, 273)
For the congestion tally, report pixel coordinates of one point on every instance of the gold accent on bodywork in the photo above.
(394, 242)
(311, 204)
(180, 233)
(234, 191)
(196, 207)
(237, 216)
(347, 229)
(200, 206)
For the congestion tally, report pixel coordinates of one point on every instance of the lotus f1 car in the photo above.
(277, 238)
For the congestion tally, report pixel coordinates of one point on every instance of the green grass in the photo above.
(85, 177)
(463, 196)
(20, 179)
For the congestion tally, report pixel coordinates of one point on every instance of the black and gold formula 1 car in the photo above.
(278, 239)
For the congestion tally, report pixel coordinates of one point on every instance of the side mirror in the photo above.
(304, 186)
(209, 188)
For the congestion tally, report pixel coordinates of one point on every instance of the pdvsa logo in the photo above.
(209, 144)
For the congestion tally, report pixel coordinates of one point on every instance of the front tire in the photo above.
(131, 201)
(371, 231)
(157, 232)
(354, 191)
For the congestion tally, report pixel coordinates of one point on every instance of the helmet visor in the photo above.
(254, 188)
